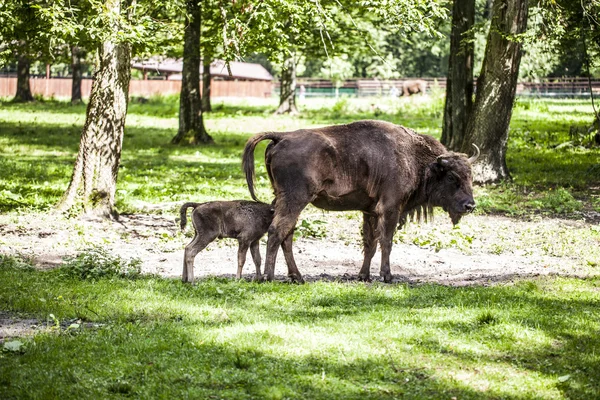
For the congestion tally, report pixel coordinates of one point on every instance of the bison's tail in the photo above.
(248, 158)
(183, 213)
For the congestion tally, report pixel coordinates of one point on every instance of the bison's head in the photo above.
(449, 184)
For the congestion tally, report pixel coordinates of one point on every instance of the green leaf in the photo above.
(564, 378)
(14, 345)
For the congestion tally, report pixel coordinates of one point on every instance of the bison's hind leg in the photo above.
(293, 272)
(284, 221)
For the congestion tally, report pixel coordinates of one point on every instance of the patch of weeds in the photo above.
(15, 262)
(340, 107)
(559, 201)
(311, 229)
(98, 263)
(486, 317)
(120, 387)
(437, 239)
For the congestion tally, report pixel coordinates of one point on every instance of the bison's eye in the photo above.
(451, 178)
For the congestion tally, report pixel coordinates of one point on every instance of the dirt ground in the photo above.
(484, 250)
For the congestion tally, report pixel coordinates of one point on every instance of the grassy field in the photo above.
(104, 331)
(158, 338)
(553, 173)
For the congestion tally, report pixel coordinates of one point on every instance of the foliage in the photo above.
(38, 144)
(311, 229)
(156, 337)
(98, 263)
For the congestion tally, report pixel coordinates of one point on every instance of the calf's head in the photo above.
(450, 184)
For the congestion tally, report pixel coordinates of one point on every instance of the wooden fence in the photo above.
(61, 87)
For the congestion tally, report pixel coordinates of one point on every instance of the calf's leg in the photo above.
(200, 241)
(242, 251)
(255, 251)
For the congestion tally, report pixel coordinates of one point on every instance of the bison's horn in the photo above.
(475, 156)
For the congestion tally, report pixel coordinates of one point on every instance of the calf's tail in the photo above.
(248, 157)
(183, 213)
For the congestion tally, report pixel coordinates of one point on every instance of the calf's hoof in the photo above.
(364, 278)
(387, 278)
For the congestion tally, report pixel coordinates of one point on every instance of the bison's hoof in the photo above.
(296, 279)
(257, 278)
(387, 278)
(364, 278)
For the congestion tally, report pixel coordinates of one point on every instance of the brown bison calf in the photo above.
(246, 221)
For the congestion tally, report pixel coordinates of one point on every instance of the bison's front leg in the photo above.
(387, 227)
(369, 245)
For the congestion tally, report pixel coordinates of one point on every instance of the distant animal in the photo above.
(414, 86)
(246, 221)
(384, 170)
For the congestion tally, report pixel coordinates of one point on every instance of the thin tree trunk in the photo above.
(191, 122)
(287, 95)
(76, 73)
(459, 85)
(496, 90)
(206, 81)
(93, 183)
(23, 88)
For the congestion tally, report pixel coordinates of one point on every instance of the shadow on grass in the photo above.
(161, 338)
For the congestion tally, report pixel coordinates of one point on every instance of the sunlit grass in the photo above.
(39, 142)
(151, 337)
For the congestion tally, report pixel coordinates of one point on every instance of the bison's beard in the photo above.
(455, 217)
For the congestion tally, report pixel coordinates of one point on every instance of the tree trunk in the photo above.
(287, 95)
(496, 90)
(206, 81)
(76, 72)
(459, 85)
(93, 184)
(191, 123)
(23, 88)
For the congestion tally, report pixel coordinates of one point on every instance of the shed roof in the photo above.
(239, 70)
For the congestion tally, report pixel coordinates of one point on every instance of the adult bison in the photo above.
(384, 170)
(415, 86)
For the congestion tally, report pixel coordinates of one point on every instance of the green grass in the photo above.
(38, 144)
(158, 338)
(106, 336)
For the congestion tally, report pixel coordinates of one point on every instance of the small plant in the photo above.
(312, 229)
(15, 262)
(486, 318)
(98, 263)
(561, 201)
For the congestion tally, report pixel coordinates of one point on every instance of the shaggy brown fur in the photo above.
(384, 170)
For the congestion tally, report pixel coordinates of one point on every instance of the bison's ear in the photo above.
(441, 160)
(439, 166)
